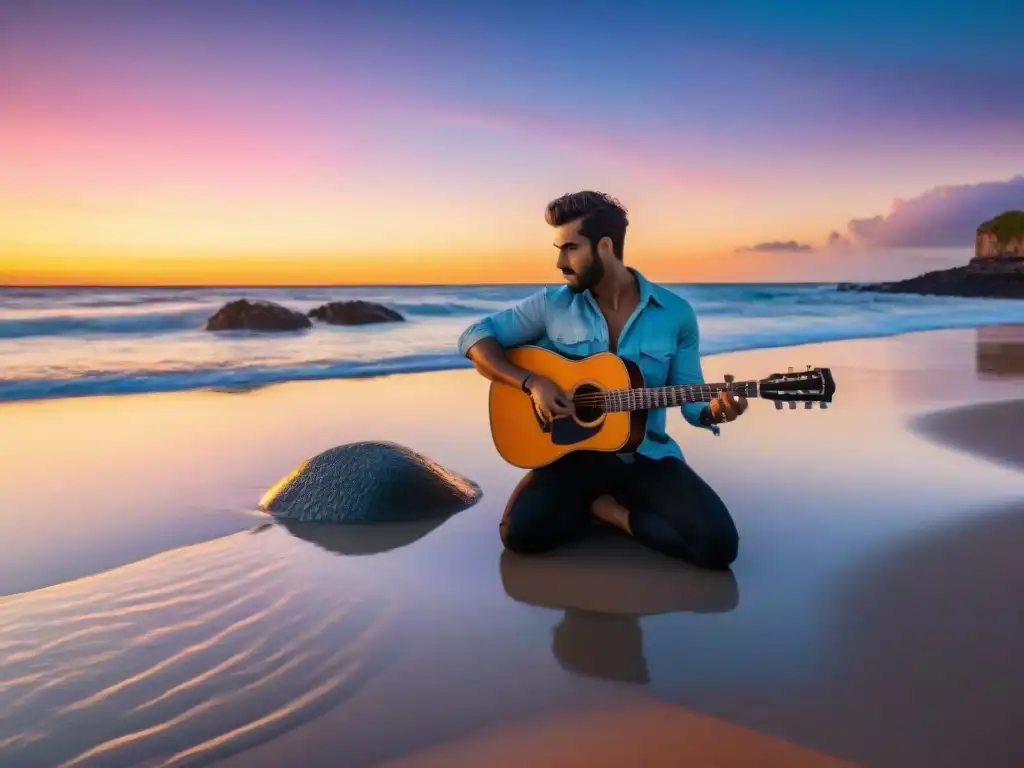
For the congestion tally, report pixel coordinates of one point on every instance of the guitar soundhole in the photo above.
(588, 403)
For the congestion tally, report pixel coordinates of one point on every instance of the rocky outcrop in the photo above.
(369, 482)
(355, 313)
(256, 316)
(1000, 240)
(972, 282)
(996, 271)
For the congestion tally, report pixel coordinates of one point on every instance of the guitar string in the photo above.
(747, 387)
(625, 398)
(658, 392)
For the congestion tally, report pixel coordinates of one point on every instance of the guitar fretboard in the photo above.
(646, 398)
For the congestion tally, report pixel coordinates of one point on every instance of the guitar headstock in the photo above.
(815, 385)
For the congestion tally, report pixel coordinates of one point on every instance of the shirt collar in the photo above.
(647, 295)
(646, 289)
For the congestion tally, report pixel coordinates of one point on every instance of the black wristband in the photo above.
(523, 385)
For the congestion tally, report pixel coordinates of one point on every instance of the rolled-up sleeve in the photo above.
(521, 323)
(685, 367)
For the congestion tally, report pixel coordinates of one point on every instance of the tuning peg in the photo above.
(808, 405)
(792, 405)
(778, 405)
(729, 378)
(823, 405)
(791, 369)
(808, 366)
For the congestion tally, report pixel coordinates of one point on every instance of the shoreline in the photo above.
(365, 371)
(197, 631)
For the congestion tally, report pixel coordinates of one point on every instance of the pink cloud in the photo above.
(946, 216)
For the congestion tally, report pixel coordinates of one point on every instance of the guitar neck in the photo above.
(646, 398)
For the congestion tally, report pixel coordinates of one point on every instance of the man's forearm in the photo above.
(489, 359)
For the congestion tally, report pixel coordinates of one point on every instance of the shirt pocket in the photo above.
(570, 338)
(655, 360)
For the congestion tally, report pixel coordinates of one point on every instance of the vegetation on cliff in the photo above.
(1007, 226)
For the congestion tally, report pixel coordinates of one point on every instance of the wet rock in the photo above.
(988, 281)
(369, 482)
(355, 313)
(256, 316)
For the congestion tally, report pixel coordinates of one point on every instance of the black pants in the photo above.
(672, 509)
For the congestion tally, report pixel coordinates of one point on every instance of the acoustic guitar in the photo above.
(611, 403)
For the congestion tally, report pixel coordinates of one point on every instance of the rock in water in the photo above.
(256, 316)
(369, 482)
(355, 313)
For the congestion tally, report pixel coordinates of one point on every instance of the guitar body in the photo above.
(524, 441)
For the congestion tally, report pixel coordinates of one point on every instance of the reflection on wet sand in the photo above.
(184, 657)
(605, 584)
(355, 540)
(994, 431)
(999, 350)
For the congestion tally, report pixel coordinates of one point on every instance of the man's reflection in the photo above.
(604, 585)
(999, 350)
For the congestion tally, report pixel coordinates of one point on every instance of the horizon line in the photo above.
(80, 286)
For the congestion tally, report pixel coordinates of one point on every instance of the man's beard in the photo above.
(588, 277)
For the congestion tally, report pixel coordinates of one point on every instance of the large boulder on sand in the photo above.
(355, 313)
(369, 482)
(256, 316)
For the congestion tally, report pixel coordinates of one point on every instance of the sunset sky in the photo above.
(307, 142)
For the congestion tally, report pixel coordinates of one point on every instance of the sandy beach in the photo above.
(152, 616)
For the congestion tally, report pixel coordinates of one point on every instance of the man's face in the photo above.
(577, 261)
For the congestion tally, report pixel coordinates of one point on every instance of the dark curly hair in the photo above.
(603, 216)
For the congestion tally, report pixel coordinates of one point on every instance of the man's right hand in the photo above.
(550, 400)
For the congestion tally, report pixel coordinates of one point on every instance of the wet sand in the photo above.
(993, 431)
(870, 617)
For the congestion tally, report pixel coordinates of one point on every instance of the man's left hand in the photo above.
(727, 407)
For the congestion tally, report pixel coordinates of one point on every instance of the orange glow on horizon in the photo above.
(323, 270)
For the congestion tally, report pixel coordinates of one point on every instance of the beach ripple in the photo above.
(182, 658)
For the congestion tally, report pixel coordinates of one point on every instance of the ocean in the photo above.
(75, 342)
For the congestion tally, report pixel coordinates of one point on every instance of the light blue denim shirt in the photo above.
(661, 336)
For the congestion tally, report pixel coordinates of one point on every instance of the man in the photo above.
(653, 495)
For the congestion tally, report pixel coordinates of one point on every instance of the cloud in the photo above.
(776, 246)
(942, 217)
(836, 240)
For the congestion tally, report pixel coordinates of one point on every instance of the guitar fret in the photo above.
(646, 398)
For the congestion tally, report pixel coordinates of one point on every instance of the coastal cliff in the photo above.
(996, 270)
(1000, 239)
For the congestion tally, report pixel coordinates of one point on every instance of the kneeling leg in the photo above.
(551, 505)
(674, 511)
